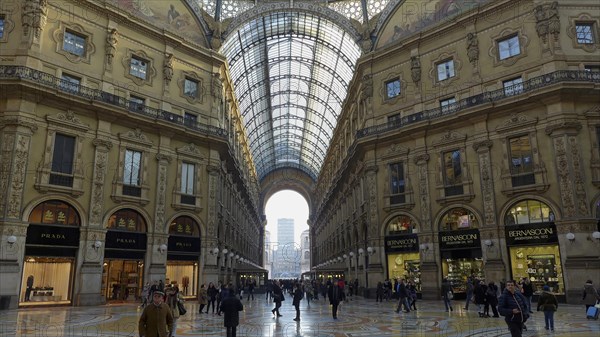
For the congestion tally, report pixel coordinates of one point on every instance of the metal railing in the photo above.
(519, 89)
(50, 81)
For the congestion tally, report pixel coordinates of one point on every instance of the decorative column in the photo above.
(158, 257)
(575, 213)
(15, 133)
(210, 263)
(87, 291)
(373, 262)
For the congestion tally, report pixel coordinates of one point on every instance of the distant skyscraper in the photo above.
(285, 231)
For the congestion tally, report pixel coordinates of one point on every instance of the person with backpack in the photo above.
(513, 306)
(548, 304)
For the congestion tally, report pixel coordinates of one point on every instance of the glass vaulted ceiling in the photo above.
(291, 72)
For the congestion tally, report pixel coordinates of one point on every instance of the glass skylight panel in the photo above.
(375, 7)
(231, 8)
(208, 5)
(351, 9)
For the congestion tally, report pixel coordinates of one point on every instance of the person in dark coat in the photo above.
(528, 292)
(513, 306)
(211, 294)
(231, 307)
(277, 298)
(470, 290)
(447, 292)
(548, 304)
(479, 291)
(297, 298)
(335, 295)
(491, 300)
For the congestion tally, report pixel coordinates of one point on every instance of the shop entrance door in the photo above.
(121, 280)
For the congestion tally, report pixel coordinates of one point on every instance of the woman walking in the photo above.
(548, 304)
(277, 298)
(173, 298)
(296, 300)
(211, 293)
(447, 294)
(202, 298)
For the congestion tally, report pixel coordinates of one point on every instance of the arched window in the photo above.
(184, 225)
(401, 224)
(54, 212)
(458, 218)
(528, 211)
(127, 220)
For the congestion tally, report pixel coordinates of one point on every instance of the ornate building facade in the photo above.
(466, 142)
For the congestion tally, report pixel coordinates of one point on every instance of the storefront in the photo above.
(402, 250)
(532, 243)
(50, 253)
(460, 249)
(183, 255)
(403, 258)
(123, 268)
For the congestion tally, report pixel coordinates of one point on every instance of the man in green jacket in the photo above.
(156, 319)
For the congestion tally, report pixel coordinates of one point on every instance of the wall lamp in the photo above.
(162, 248)
(11, 240)
(97, 244)
(424, 247)
(361, 251)
(225, 252)
(570, 236)
(488, 243)
(351, 254)
(596, 236)
(345, 256)
(231, 255)
(370, 250)
(214, 251)
(237, 257)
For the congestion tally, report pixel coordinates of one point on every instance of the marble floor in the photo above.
(359, 317)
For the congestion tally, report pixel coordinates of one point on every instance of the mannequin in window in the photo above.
(29, 288)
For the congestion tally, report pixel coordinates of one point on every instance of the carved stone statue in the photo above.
(367, 88)
(217, 87)
(415, 69)
(34, 17)
(472, 48)
(541, 23)
(168, 68)
(111, 45)
(554, 20)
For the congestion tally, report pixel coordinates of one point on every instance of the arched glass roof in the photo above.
(291, 72)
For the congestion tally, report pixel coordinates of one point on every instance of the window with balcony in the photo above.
(190, 88)
(62, 161)
(513, 86)
(131, 173)
(521, 161)
(190, 119)
(509, 47)
(595, 69)
(392, 88)
(453, 177)
(584, 33)
(397, 183)
(74, 43)
(2, 24)
(447, 104)
(136, 103)
(445, 70)
(138, 67)
(70, 83)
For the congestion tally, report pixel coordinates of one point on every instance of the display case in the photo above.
(413, 272)
(543, 270)
(458, 270)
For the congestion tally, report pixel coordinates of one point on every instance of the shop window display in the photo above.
(183, 275)
(405, 266)
(46, 280)
(458, 270)
(458, 218)
(540, 264)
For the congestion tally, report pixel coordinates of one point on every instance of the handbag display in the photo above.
(181, 308)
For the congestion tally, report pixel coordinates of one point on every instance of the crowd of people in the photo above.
(512, 300)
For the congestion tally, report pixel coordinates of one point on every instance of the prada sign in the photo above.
(531, 234)
(461, 239)
(52, 236)
(125, 240)
(402, 243)
(188, 244)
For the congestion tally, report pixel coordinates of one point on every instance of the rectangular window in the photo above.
(521, 161)
(138, 67)
(190, 88)
(136, 103)
(392, 88)
(452, 173)
(132, 168)
(592, 68)
(74, 43)
(447, 104)
(187, 178)
(70, 83)
(1, 26)
(445, 70)
(513, 87)
(394, 118)
(397, 178)
(509, 47)
(62, 160)
(598, 141)
(585, 33)
(190, 119)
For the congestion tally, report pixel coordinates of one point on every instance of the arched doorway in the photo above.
(123, 266)
(533, 247)
(183, 255)
(402, 250)
(50, 253)
(460, 248)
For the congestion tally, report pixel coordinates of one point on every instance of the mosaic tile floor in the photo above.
(356, 318)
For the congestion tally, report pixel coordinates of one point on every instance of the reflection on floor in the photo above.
(359, 317)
